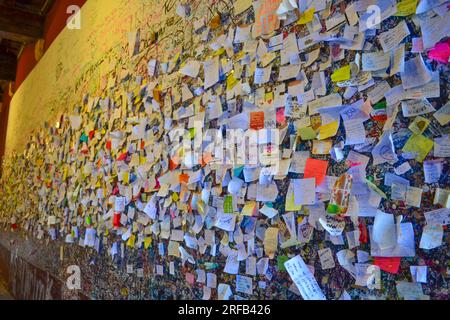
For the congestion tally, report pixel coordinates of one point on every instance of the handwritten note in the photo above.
(390, 39)
(244, 284)
(304, 191)
(326, 258)
(266, 19)
(211, 72)
(303, 279)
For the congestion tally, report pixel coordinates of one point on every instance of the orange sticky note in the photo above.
(174, 162)
(206, 158)
(257, 120)
(184, 178)
(316, 169)
(215, 22)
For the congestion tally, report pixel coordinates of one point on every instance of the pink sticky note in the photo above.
(440, 52)
(281, 119)
(190, 278)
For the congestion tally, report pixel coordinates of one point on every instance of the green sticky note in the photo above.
(237, 171)
(211, 265)
(307, 133)
(332, 208)
(280, 262)
(228, 204)
(192, 133)
(84, 138)
(379, 105)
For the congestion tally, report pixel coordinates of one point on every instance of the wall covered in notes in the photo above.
(274, 149)
(85, 60)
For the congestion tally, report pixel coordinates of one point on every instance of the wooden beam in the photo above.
(8, 66)
(20, 26)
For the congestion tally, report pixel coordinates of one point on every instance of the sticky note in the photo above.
(406, 8)
(440, 52)
(271, 242)
(390, 265)
(249, 208)
(419, 125)
(341, 74)
(183, 178)
(257, 120)
(419, 145)
(131, 240)
(228, 204)
(307, 133)
(316, 169)
(147, 242)
(190, 278)
(306, 16)
(281, 118)
(290, 202)
(280, 262)
(231, 81)
(328, 130)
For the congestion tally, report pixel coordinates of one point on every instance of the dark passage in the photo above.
(4, 293)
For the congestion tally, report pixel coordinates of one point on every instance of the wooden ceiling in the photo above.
(21, 23)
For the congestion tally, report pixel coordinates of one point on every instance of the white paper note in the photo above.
(303, 279)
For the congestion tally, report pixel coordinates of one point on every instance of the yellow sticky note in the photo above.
(268, 96)
(191, 133)
(341, 74)
(290, 243)
(231, 81)
(306, 16)
(126, 177)
(219, 52)
(147, 242)
(406, 8)
(201, 206)
(240, 55)
(131, 240)
(66, 171)
(290, 203)
(418, 144)
(328, 130)
(271, 242)
(307, 133)
(249, 208)
(419, 125)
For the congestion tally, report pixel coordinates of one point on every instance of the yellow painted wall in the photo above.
(80, 61)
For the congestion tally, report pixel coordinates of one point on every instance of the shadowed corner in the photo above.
(4, 293)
